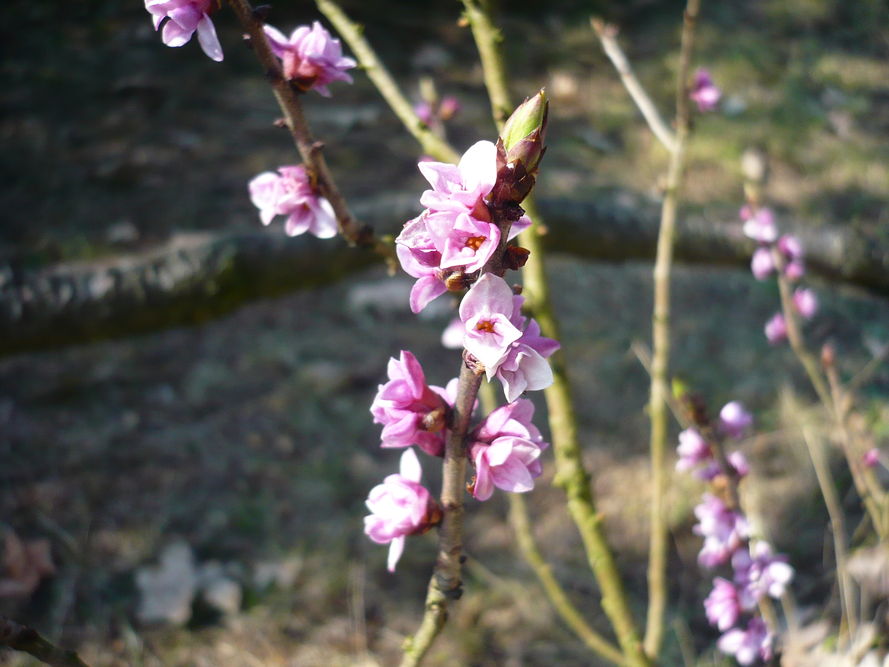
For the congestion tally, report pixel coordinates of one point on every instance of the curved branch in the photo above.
(28, 640)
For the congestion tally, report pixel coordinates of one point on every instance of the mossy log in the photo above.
(195, 277)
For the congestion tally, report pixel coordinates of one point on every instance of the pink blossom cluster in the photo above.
(755, 571)
(505, 449)
(773, 251)
(455, 233)
(704, 92)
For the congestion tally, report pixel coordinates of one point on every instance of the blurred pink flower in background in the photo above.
(704, 92)
(776, 329)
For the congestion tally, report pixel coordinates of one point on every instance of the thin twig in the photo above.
(558, 598)
(444, 585)
(657, 563)
(608, 38)
(352, 32)
(571, 474)
(309, 149)
(28, 640)
(837, 529)
(521, 525)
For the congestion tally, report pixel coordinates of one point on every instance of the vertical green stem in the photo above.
(657, 563)
(521, 525)
(570, 472)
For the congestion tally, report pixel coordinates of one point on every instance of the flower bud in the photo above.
(519, 150)
(528, 118)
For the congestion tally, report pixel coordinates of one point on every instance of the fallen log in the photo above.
(195, 277)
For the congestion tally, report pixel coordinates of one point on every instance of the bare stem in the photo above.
(353, 33)
(28, 640)
(657, 563)
(837, 529)
(570, 472)
(309, 149)
(444, 585)
(558, 598)
(489, 40)
(521, 525)
(608, 38)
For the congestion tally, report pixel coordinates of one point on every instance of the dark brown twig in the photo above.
(28, 640)
(287, 95)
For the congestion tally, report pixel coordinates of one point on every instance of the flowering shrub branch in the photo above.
(287, 94)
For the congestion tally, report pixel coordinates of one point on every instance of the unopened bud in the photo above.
(528, 118)
(515, 257)
(519, 150)
(828, 355)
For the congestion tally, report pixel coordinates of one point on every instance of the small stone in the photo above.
(166, 590)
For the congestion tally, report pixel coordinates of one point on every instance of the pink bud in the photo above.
(795, 270)
(762, 263)
(790, 247)
(805, 302)
(734, 419)
(776, 329)
(759, 224)
(871, 457)
(704, 92)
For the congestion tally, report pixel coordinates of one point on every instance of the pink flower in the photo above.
(723, 605)
(871, 457)
(486, 312)
(452, 336)
(736, 460)
(750, 645)
(805, 302)
(400, 506)
(693, 450)
(411, 412)
(734, 420)
(310, 57)
(420, 259)
(181, 18)
(289, 193)
(506, 449)
(759, 224)
(704, 92)
(461, 188)
(449, 107)
(762, 263)
(795, 270)
(762, 572)
(776, 329)
(463, 240)
(790, 247)
(525, 367)
(723, 530)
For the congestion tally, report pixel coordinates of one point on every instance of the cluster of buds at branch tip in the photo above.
(520, 149)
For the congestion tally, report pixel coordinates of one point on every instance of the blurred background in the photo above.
(188, 488)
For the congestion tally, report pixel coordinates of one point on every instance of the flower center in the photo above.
(486, 326)
(475, 242)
